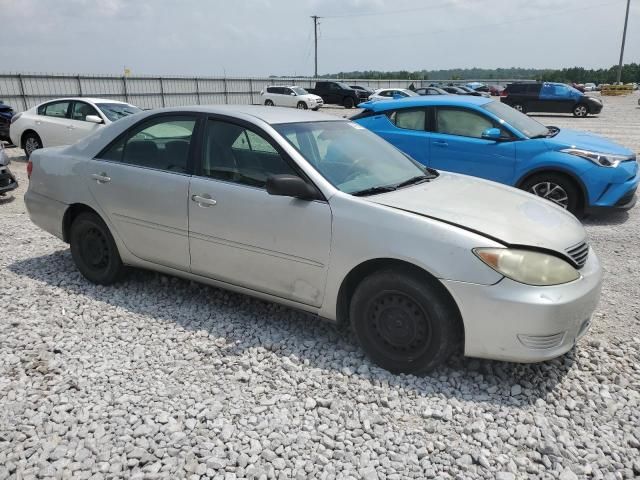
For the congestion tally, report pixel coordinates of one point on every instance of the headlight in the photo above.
(603, 159)
(528, 266)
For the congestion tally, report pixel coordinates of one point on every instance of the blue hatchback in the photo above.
(485, 138)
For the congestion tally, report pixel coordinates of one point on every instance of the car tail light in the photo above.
(503, 93)
(29, 169)
(16, 117)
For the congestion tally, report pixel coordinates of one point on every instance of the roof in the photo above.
(425, 101)
(270, 115)
(87, 99)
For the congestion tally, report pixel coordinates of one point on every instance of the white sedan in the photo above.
(318, 213)
(64, 121)
(392, 94)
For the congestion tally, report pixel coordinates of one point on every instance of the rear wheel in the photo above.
(31, 142)
(348, 102)
(302, 106)
(556, 188)
(268, 103)
(93, 249)
(580, 110)
(520, 107)
(405, 323)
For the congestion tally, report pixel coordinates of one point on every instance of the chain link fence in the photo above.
(23, 91)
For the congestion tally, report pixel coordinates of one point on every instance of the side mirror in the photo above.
(93, 119)
(293, 94)
(290, 186)
(491, 134)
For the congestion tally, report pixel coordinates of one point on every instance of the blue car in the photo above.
(478, 136)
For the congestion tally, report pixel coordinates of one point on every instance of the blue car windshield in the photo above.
(521, 122)
(352, 158)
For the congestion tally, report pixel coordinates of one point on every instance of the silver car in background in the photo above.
(318, 213)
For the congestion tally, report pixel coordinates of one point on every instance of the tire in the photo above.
(554, 187)
(31, 142)
(268, 103)
(94, 251)
(426, 321)
(580, 110)
(302, 106)
(520, 107)
(348, 102)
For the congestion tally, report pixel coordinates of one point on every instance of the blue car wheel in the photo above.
(557, 188)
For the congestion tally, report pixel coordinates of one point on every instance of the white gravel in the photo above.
(162, 378)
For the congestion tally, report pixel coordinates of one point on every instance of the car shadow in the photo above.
(290, 333)
(607, 218)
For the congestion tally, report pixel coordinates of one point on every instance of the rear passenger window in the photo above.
(235, 154)
(57, 109)
(162, 143)
(409, 119)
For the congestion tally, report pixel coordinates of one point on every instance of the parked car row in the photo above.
(365, 222)
(322, 214)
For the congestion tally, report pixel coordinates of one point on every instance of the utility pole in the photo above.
(624, 36)
(315, 41)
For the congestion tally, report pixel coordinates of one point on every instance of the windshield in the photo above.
(521, 122)
(116, 111)
(343, 85)
(350, 157)
(299, 90)
(410, 93)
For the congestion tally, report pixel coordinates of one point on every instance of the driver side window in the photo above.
(162, 143)
(461, 122)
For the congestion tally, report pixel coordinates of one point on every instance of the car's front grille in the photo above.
(579, 253)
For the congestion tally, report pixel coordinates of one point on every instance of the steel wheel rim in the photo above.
(94, 249)
(30, 145)
(399, 326)
(551, 191)
(301, 106)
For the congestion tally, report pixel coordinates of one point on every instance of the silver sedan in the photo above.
(317, 213)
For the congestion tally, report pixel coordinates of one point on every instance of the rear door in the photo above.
(78, 127)
(141, 184)
(457, 145)
(52, 123)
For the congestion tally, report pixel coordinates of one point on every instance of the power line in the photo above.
(389, 12)
(472, 27)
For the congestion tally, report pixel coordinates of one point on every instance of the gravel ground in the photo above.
(163, 378)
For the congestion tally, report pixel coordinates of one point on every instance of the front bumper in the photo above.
(614, 188)
(520, 323)
(7, 181)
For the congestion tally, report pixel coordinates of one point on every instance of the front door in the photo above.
(141, 184)
(457, 146)
(78, 127)
(240, 234)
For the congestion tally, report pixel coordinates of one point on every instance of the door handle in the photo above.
(101, 177)
(203, 200)
(440, 143)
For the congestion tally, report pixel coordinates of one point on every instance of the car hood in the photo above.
(568, 138)
(312, 96)
(497, 211)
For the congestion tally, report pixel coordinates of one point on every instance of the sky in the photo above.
(275, 37)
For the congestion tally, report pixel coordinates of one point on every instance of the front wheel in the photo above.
(268, 103)
(405, 323)
(94, 251)
(580, 111)
(520, 107)
(302, 106)
(555, 188)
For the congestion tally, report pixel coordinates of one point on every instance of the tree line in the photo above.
(630, 73)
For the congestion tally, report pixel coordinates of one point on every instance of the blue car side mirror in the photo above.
(491, 134)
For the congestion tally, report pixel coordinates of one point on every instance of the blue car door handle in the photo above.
(440, 143)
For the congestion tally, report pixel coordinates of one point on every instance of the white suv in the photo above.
(290, 96)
